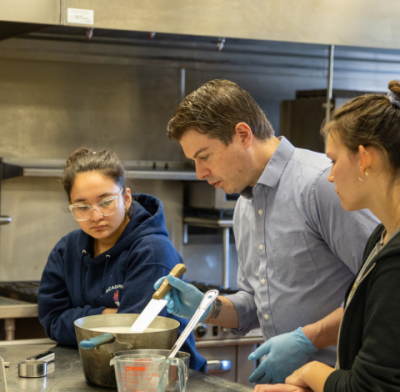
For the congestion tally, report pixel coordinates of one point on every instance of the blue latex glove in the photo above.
(285, 353)
(183, 298)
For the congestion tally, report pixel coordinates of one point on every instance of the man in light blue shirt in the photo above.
(298, 249)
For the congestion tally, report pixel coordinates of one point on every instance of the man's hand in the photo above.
(285, 353)
(183, 298)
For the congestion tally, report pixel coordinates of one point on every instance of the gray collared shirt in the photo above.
(298, 249)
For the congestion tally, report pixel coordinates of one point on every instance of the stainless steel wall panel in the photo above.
(340, 22)
(40, 219)
(28, 11)
(49, 109)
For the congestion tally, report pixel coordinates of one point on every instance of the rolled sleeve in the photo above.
(246, 310)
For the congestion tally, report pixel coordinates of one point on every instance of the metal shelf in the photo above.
(12, 308)
(204, 222)
(141, 170)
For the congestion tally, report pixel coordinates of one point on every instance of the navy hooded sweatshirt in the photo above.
(76, 284)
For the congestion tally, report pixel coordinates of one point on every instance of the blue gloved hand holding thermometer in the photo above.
(183, 298)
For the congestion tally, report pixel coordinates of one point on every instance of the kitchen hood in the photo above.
(342, 22)
(23, 16)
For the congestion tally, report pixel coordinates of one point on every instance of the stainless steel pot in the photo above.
(101, 346)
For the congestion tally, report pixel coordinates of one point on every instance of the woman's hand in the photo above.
(279, 388)
(312, 375)
(109, 311)
(296, 378)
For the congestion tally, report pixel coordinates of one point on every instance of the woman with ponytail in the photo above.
(108, 265)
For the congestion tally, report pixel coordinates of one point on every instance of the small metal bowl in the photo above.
(32, 368)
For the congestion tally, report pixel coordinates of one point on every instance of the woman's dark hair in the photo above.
(84, 160)
(370, 120)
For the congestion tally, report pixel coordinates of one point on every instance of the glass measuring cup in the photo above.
(148, 373)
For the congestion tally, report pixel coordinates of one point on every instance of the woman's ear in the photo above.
(128, 198)
(365, 157)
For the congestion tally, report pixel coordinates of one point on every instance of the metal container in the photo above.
(96, 361)
(32, 368)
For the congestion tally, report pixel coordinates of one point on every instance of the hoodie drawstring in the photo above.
(103, 289)
(82, 276)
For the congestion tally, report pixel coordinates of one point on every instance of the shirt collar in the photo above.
(275, 167)
(277, 164)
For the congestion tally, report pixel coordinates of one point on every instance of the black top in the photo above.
(369, 344)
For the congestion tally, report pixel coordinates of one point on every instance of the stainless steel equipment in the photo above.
(5, 220)
(203, 195)
(225, 225)
(10, 309)
(32, 369)
(335, 23)
(12, 304)
(207, 206)
(227, 353)
(96, 361)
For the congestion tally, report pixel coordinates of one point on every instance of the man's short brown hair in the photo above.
(215, 109)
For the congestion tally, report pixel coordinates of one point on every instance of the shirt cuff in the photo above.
(246, 311)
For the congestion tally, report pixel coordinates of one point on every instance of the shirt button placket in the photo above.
(260, 222)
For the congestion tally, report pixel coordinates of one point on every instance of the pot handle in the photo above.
(97, 341)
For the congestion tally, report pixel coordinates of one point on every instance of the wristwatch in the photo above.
(215, 311)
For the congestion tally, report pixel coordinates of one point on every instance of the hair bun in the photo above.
(394, 87)
(76, 155)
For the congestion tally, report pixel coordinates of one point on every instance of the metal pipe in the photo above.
(185, 234)
(182, 82)
(5, 220)
(9, 327)
(330, 84)
(225, 258)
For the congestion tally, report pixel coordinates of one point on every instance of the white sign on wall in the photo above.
(80, 16)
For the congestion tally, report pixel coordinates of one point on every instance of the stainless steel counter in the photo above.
(12, 308)
(67, 375)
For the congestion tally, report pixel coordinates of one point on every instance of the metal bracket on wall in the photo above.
(7, 171)
(225, 225)
(140, 169)
(10, 171)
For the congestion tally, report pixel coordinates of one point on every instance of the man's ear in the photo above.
(243, 131)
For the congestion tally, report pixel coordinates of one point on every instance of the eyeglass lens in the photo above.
(84, 212)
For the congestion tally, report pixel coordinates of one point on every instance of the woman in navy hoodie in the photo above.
(110, 264)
